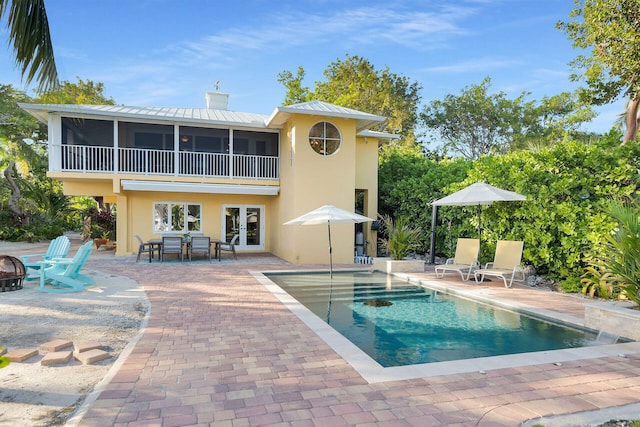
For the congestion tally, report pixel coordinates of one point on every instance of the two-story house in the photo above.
(219, 173)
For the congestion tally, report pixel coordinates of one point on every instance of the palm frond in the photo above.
(29, 35)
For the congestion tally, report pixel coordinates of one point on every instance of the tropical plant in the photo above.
(596, 282)
(29, 34)
(623, 248)
(4, 361)
(401, 238)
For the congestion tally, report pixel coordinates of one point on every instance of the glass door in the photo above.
(247, 221)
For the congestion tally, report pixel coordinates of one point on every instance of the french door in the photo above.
(248, 222)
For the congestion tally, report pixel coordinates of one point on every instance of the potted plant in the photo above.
(102, 240)
(186, 237)
(400, 239)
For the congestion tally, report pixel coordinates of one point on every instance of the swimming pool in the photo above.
(398, 323)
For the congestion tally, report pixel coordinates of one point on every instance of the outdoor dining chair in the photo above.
(145, 248)
(200, 244)
(172, 245)
(229, 247)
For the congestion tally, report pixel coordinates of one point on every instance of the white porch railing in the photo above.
(81, 158)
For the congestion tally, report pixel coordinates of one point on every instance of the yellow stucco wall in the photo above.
(308, 180)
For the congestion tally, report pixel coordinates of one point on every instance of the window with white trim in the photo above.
(176, 217)
(325, 138)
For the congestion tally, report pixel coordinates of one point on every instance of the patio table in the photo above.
(154, 244)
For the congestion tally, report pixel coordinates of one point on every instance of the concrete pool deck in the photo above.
(221, 350)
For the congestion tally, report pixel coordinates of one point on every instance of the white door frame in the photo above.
(242, 240)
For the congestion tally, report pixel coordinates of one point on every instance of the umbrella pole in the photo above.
(330, 252)
(479, 229)
(432, 244)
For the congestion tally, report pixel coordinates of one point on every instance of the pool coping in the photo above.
(373, 372)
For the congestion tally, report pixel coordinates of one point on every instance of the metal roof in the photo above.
(170, 114)
(211, 116)
(363, 120)
(376, 134)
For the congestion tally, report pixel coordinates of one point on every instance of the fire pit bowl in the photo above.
(12, 273)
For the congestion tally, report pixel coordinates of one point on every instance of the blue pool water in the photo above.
(420, 325)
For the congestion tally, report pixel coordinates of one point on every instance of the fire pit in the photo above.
(12, 273)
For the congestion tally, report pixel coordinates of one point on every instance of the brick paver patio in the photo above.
(221, 350)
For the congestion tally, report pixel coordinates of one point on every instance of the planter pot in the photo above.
(100, 242)
(620, 319)
(388, 265)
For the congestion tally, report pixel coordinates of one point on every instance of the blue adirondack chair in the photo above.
(64, 274)
(58, 248)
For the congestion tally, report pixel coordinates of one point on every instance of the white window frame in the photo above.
(185, 225)
(323, 139)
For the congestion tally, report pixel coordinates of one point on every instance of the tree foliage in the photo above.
(355, 83)
(48, 211)
(408, 182)
(477, 123)
(82, 92)
(609, 31)
(562, 220)
(29, 34)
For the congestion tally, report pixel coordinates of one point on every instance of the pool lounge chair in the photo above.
(464, 260)
(506, 263)
(58, 248)
(64, 274)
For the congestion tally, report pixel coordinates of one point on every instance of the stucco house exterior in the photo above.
(219, 173)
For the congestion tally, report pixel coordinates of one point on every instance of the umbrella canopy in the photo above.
(328, 214)
(474, 195)
(479, 194)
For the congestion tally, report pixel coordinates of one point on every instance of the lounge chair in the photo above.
(464, 261)
(505, 263)
(64, 274)
(200, 244)
(172, 245)
(58, 248)
(229, 247)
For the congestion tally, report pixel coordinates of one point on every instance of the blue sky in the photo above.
(170, 52)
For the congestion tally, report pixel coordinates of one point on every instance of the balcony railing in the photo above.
(82, 158)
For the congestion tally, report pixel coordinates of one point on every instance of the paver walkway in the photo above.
(220, 350)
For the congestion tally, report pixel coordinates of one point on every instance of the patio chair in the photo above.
(172, 245)
(506, 262)
(145, 248)
(58, 248)
(464, 260)
(64, 274)
(200, 244)
(229, 247)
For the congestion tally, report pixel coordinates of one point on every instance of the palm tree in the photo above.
(29, 34)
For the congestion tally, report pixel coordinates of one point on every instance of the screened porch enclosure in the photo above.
(89, 145)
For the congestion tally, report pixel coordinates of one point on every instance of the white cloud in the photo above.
(476, 65)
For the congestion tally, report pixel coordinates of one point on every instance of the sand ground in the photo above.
(110, 313)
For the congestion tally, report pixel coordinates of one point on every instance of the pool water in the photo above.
(398, 323)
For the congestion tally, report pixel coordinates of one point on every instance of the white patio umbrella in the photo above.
(328, 214)
(477, 194)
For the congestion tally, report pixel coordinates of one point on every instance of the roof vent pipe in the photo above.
(217, 100)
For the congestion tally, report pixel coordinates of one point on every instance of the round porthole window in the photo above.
(324, 138)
